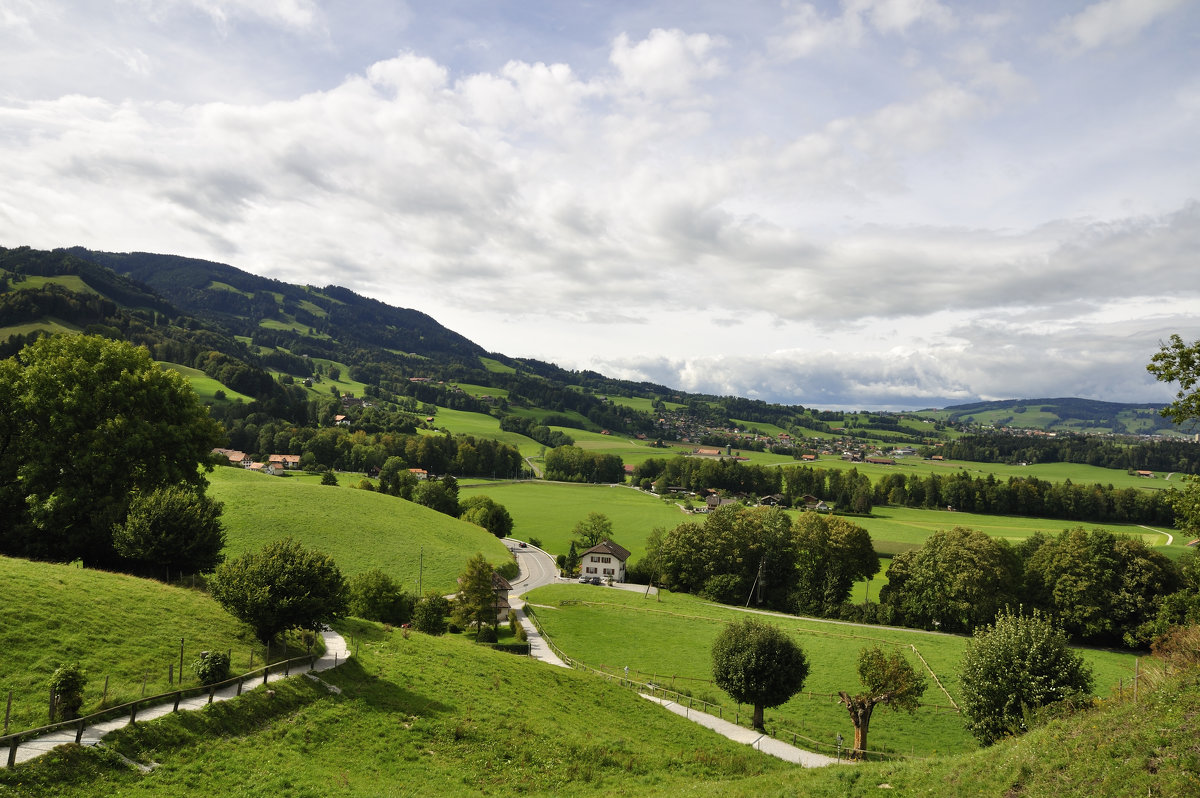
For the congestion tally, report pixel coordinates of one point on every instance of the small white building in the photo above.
(605, 560)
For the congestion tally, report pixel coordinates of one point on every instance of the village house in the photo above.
(606, 560)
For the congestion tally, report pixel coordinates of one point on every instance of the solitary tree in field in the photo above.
(757, 663)
(889, 680)
(475, 603)
(175, 528)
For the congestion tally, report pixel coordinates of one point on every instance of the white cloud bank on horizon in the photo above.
(890, 203)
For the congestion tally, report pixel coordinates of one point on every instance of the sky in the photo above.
(859, 204)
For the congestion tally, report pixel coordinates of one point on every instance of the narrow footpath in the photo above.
(336, 652)
(536, 567)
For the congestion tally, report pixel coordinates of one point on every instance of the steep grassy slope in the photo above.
(359, 529)
(116, 626)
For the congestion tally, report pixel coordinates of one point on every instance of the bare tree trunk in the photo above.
(758, 718)
(860, 709)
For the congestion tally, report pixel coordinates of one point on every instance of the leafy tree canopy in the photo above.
(492, 516)
(1017, 665)
(176, 528)
(88, 423)
(757, 663)
(283, 586)
(887, 679)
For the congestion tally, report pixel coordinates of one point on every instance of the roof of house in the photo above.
(610, 548)
(499, 582)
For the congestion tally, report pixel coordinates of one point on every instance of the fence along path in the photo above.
(89, 730)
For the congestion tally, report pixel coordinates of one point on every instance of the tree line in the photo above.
(1155, 455)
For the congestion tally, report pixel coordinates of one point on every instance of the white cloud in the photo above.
(936, 216)
(1111, 22)
(667, 63)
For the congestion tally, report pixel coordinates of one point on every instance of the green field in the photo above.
(550, 510)
(359, 529)
(669, 641)
(416, 716)
(496, 367)
(51, 326)
(117, 627)
(464, 422)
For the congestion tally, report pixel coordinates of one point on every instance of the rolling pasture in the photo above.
(360, 529)
(669, 642)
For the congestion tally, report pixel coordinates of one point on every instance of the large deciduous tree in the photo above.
(282, 586)
(956, 581)
(1017, 665)
(87, 423)
(887, 679)
(491, 515)
(1179, 362)
(832, 555)
(591, 530)
(757, 663)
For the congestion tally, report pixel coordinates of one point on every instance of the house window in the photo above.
(590, 570)
(595, 558)
(606, 559)
(609, 572)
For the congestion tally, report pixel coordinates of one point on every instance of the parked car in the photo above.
(583, 580)
(523, 544)
(595, 580)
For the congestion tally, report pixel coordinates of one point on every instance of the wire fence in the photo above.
(775, 730)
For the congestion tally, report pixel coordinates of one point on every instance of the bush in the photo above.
(509, 570)
(375, 596)
(535, 542)
(454, 629)
(513, 623)
(487, 635)
(329, 478)
(1014, 668)
(212, 667)
(429, 616)
(67, 683)
(521, 635)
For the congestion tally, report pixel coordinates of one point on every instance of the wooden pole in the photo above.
(181, 662)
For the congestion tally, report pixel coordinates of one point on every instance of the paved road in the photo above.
(336, 652)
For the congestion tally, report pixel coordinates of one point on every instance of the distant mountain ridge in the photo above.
(186, 309)
(1062, 413)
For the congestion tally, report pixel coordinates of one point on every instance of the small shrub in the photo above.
(513, 623)
(453, 629)
(329, 478)
(68, 683)
(487, 635)
(509, 570)
(521, 635)
(212, 668)
(535, 542)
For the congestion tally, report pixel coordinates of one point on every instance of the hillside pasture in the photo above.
(205, 386)
(47, 325)
(414, 716)
(360, 529)
(481, 425)
(117, 627)
(669, 642)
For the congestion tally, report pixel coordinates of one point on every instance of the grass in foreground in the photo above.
(420, 716)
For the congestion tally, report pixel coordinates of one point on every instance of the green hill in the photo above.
(120, 628)
(359, 529)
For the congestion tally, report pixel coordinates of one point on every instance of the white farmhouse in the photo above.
(605, 560)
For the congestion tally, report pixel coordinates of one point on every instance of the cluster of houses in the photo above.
(276, 464)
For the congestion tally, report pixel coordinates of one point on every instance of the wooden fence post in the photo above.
(12, 751)
(79, 732)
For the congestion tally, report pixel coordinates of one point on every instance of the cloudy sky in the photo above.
(864, 203)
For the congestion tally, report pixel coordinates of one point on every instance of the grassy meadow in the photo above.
(359, 529)
(668, 640)
(205, 386)
(116, 626)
